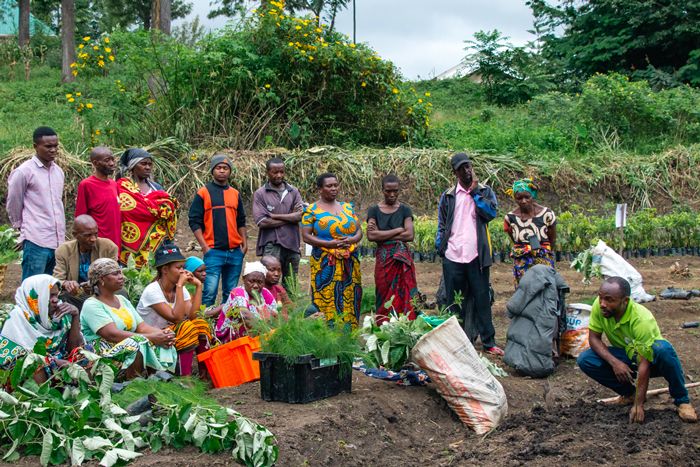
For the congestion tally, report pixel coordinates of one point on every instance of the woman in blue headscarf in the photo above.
(532, 227)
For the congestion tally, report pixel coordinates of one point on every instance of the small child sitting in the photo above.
(245, 304)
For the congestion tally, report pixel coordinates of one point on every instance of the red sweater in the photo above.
(99, 198)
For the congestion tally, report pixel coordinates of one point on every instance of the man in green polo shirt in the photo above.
(637, 350)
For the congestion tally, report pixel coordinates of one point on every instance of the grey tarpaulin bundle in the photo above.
(538, 317)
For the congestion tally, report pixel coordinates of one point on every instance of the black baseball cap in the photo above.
(459, 159)
(168, 253)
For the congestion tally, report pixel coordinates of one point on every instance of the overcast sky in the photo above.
(422, 37)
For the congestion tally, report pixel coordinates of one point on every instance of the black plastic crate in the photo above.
(304, 380)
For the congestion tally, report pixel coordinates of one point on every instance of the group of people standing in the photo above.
(72, 292)
(133, 217)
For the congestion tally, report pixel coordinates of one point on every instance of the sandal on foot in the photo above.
(495, 350)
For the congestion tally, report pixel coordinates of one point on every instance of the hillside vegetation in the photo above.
(283, 84)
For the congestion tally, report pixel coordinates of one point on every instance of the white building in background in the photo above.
(459, 71)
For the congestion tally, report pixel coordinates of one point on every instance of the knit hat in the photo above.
(254, 266)
(168, 253)
(219, 159)
(193, 263)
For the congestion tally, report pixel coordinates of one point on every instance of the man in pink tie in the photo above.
(462, 241)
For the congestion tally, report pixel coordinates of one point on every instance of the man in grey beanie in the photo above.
(217, 219)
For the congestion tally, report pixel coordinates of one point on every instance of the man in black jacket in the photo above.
(463, 243)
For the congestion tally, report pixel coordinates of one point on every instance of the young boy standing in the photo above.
(217, 219)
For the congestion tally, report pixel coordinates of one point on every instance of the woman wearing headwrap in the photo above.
(149, 214)
(245, 304)
(532, 227)
(166, 303)
(117, 331)
(198, 269)
(39, 314)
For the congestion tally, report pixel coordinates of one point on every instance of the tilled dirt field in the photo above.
(380, 423)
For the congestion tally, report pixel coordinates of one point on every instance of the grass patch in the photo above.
(177, 391)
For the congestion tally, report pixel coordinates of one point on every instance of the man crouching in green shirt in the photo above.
(637, 348)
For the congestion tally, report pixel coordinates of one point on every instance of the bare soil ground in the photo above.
(380, 423)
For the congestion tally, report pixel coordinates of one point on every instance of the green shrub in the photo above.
(276, 79)
(578, 228)
(614, 104)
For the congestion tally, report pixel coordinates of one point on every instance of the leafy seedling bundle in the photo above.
(72, 419)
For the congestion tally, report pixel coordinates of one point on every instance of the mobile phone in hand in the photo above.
(534, 242)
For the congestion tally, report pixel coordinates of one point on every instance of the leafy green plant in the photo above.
(136, 280)
(298, 335)
(72, 418)
(274, 78)
(585, 264)
(8, 244)
(425, 231)
(500, 241)
(390, 344)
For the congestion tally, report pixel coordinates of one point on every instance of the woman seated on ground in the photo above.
(39, 314)
(166, 303)
(532, 227)
(245, 304)
(111, 324)
(198, 269)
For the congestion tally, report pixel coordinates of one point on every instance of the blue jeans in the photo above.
(37, 260)
(666, 363)
(224, 264)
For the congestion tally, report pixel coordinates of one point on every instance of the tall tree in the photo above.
(23, 26)
(161, 15)
(118, 13)
(588, 36)
(67, 39)
(508, 74)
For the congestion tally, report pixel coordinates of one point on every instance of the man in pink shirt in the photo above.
(98, 196)
(35, 205)
(464, 212)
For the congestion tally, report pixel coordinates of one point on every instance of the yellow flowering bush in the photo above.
(93, 57)
(276, 79)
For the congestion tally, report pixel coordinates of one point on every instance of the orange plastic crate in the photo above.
(232, 364)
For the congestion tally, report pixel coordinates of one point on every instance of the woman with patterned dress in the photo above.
(149, 213)
(114, 328)
(532, 227)
(333, 230)
(245, 304)
(390, 224)
(39, 314)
